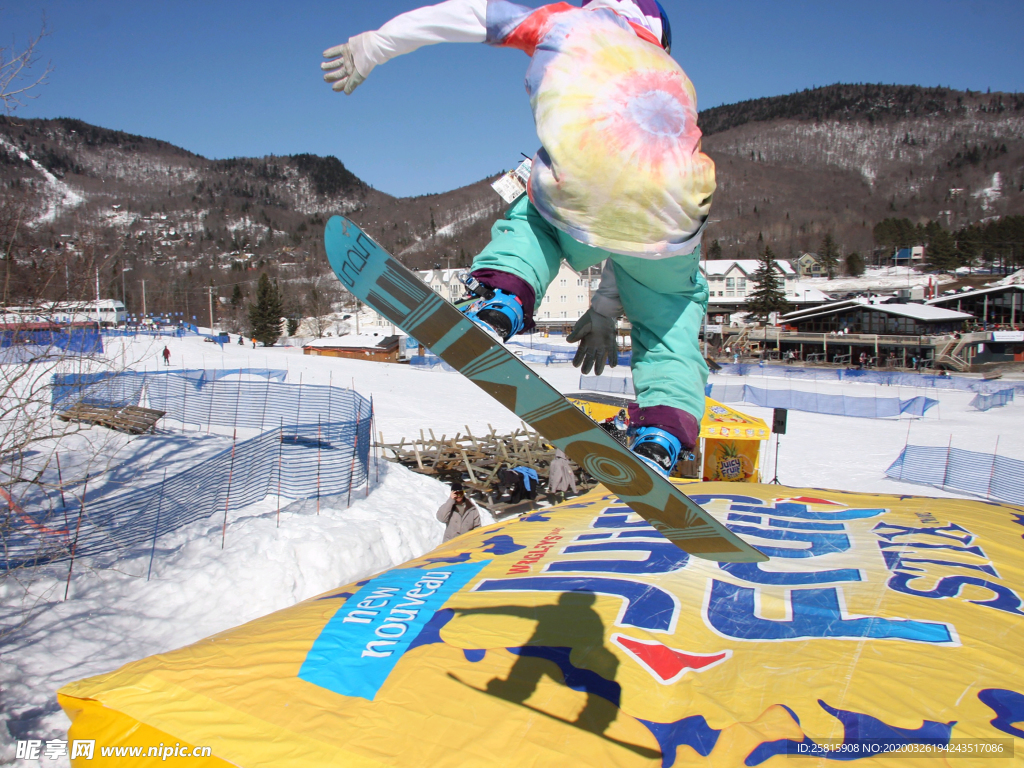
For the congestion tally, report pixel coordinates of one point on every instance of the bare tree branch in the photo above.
(16, 82)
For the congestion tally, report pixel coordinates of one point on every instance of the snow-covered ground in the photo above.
(116, 613)
(876, 279)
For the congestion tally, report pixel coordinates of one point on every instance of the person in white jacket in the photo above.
(619, 179)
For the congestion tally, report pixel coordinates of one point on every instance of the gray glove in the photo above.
(342, 69)
(596, 334)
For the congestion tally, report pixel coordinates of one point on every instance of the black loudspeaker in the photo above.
(779, 421)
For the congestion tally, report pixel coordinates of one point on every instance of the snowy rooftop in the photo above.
(445, 275)
(363, 341)
(915, 311)
(978, 292)
(747, 266)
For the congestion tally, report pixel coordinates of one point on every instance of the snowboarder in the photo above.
(561, 478)
(619, 179)
(459, 514)
(167, 356)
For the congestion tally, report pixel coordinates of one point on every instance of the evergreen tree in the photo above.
(236, 296)
(855, 265)
(714, 250)
(941, 252)
(767, 296)
(828, 252)
(265, 312)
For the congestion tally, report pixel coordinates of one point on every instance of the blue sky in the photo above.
(231, 79)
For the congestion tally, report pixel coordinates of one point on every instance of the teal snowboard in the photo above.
(397, 293)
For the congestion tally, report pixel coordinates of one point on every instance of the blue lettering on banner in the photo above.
(816, 613)
(800, 511)
(646, 606)
(364, 640)
(755, 574)
(821, 543)
(662, 557)
(949, 586)
(889, 532)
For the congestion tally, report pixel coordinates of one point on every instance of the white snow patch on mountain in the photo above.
(57, 196)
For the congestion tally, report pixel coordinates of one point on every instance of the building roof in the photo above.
(920, 312)
(971, 294)
(445, 275)
(747, 266)
(351, 341)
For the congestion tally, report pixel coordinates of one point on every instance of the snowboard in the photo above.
(375, 277)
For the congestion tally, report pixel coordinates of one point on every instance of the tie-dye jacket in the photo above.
(620, 165)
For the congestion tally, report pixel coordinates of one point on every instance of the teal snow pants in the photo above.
(665, 300)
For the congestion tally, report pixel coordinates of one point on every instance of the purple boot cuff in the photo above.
(509, 283)
(680, 423)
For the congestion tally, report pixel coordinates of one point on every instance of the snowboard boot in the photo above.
(501, 312)
(657, 447)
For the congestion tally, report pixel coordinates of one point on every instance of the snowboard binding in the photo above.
(657, 447)
(493, 309)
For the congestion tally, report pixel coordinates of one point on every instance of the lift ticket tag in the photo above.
(512, 185)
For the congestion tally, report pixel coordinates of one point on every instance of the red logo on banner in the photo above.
(666, 664)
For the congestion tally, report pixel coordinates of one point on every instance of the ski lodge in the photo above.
(378, 349)
(889, 334)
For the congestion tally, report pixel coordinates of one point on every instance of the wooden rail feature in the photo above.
(131, 418)
(476, 459)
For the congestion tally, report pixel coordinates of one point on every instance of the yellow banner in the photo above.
(885, 631)
(731, 461)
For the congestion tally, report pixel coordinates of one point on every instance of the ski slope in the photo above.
(118, 612)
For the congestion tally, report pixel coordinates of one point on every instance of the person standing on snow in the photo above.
(167, 356)
(459, 514)
(619, 179)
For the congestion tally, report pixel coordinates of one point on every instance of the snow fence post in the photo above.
(992, 472)
(156, 525)
(945, 473)
(227, 498)
(352, 466)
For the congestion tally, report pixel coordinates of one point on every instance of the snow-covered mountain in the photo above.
(790, 168)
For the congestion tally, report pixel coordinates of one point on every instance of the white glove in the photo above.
(342, 69)
(596, 334)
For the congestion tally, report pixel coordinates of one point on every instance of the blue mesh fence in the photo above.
(82, 341)
(317, 442)
(117, 389)
(613, 384)
(982, 474)
(813, 402)
(986, 402)
(298, 461)
(537, 355)
(884, 378)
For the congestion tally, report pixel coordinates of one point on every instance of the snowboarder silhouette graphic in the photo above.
(596, 664)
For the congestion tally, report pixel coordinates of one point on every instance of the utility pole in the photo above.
(98, 318)
(143, 298)
(210, 289)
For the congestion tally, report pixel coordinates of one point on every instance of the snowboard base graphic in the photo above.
(397, 293)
